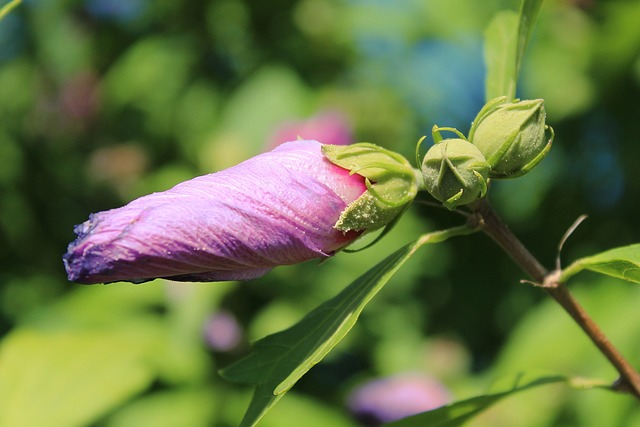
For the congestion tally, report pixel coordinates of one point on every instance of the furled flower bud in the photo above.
(391, 184)
(455, 172)
(277, 208)
(512, 136)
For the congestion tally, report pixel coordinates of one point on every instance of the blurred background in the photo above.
(102, 101)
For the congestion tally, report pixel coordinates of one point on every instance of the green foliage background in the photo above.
(101, 102)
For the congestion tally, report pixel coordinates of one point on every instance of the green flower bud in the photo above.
(455, 172)
(391, 185)
(512, 136)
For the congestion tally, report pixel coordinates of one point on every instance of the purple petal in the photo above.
(274, 209)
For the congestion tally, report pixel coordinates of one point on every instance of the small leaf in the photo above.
(506, 40)
(623, 263)
(278, 361)
(529, 10)
(500, 56)
(457, 413)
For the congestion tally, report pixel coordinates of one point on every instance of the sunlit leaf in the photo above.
(500, 55)
(529, 10)
(457, 413)
(67, 378)
(506, 40)
(278, 361)
(623, 263)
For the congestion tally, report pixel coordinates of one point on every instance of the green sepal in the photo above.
(391, 184)
(533, 163)
(387, 229)
(486, 109)
(455, 172)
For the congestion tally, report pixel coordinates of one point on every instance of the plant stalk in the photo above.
(492, 225)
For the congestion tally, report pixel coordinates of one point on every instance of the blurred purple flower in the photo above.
(222, 331)
(274, 209)
(329, 127)
(389, 399)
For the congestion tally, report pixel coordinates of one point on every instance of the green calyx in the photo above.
(391, 185)
(455, 172)
(513, 136)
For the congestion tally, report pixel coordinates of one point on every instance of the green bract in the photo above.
(391, 184)
(511, 135)
(455, 172)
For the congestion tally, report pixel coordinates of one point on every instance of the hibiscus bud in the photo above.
(277, 208)
(455, 172)
(391, 184)
(512, 136)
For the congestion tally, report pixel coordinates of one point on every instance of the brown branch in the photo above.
(492, 225)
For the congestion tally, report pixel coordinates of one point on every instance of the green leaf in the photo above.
(623, 263)
(529, 10)
(506, 40)
(278, 361)
(500, 56)
(67, 378)
(457, 413)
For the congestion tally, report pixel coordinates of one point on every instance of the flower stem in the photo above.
(492, 225)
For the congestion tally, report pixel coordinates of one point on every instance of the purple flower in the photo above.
(389, 399)
(274, 209)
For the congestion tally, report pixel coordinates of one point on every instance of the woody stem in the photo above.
(492, 225)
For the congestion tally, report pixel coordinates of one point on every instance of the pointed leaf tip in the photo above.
(622, 263)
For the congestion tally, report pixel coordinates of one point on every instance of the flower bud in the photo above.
(277, 208)
(512, 136)
(455, 172)
(391, 185)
